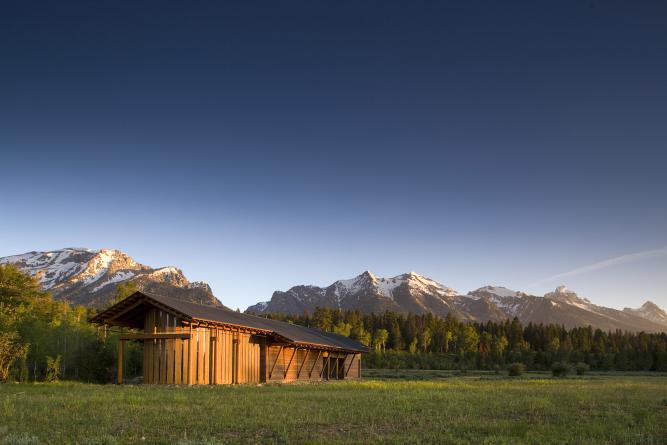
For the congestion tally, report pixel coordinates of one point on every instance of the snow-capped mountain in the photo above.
(564, 307)
(649, 311)
(90, 277)
(409, 292)
(415, 293)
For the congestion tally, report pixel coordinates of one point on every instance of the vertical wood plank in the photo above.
(207, 356)
(156, 349)
(224, 357)
(163, 349)
(200, 356)
(218, 356)
(185, 362)
(147, 350)
(228, 356)
(240, 359)
(262, 360)
(178, 358)
(170, 360)
(192, 357)
(243, 361)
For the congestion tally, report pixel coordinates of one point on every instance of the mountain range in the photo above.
(89, 277)
(415, 293)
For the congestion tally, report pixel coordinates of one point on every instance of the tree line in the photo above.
(431, 342)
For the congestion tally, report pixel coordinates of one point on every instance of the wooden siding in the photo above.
(165, 359)
(215, 355)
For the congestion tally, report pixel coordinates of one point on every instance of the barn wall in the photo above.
(214, 355)
(208, 356)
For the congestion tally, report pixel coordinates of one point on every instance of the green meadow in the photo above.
(385, 407)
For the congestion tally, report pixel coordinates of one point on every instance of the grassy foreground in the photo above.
(450, 410)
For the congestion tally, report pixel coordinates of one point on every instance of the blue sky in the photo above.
(262, 145)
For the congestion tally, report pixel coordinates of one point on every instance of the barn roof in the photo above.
(192, 311)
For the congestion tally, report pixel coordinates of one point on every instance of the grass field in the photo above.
(388, 407)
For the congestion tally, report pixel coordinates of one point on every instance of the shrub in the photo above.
(53, 368)
(582, 368)
(560, 369)
(516, 369)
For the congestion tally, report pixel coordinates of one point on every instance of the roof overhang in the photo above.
(130, 312)
(124, 313)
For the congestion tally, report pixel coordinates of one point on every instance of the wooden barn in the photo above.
(192, 344)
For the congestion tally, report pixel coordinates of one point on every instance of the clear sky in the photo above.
(260, 145)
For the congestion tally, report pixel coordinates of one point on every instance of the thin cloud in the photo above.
(623, 259)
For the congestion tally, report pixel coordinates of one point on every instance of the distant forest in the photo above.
(44, 339)
(432, 342)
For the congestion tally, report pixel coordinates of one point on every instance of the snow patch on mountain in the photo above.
(115, 278)
(49, 268)
(97, 266)
(499, 291)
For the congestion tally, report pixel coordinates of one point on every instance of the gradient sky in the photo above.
(260, 145)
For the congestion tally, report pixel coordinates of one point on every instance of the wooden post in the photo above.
(121, 344)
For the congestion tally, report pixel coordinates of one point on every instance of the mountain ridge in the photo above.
(89, 277)
(412, 292)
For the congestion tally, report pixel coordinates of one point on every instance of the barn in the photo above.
(191, 344)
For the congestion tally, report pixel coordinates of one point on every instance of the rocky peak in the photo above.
(651, 306)
(562, 293)
(367, 277)
(649, 311)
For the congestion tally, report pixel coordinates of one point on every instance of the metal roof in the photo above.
(291, 332)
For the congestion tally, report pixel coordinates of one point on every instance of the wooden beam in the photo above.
(275, 361)
(322, 370)
(289, 363)
(121, 343)
(305, 358)
(155, 336)
(310, 373)
(350, 367)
